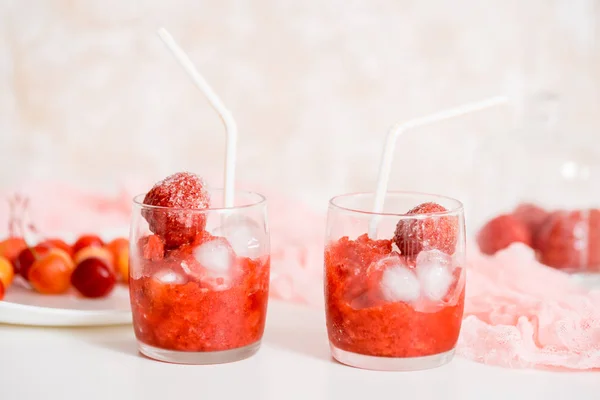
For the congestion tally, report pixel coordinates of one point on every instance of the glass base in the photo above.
(390, 363)
(200, 357)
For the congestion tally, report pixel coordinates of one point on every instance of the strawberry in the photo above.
(570, 239)
(501, 232)
(428, 232)
(177, 199)
(531, 215)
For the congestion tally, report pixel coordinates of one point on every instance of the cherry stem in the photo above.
(18, 217)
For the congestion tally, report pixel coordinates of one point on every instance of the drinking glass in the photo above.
(203, 301)
(394, 296)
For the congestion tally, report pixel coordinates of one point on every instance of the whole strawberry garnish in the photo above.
(182, 194)
(429, 229)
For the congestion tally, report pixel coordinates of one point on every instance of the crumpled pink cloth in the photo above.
(518, 313)
(56, 208)
(297, 248)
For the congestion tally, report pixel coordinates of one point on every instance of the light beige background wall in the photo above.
(89, 94)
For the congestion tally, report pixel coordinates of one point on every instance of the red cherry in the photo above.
(117, 245)
(183, 193)
(59, 244)
(1, 291)
(501, 232)
(93, 278)
(11, 247)
(7, 272)
(51, 274)
(87, 241)
(27, 257)
(95, 252)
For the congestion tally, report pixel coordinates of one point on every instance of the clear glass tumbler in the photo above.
(395, 297)
(202, 302)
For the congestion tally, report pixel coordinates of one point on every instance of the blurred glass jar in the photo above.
(540, 185)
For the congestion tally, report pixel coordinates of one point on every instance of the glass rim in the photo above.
(138, 200)
(449, 212)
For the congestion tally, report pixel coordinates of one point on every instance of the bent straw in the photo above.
(219, 107)
(399, 129)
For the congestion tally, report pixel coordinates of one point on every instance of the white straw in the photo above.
(400, 128)
(217, 104)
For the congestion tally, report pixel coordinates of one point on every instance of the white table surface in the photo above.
(293, 363)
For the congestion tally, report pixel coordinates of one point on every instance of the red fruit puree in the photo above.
(361, 323)
(175, 310)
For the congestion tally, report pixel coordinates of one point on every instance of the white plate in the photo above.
(23, 306)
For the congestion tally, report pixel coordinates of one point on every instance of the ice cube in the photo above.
(434, 270)
(398, 282)
(170, 277)
(216, 256)
(245, 235)
(434, 257)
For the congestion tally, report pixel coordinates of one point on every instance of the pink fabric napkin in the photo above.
(56, 208)
(518, 313)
